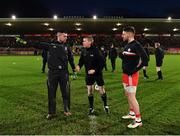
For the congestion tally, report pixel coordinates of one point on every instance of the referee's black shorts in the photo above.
(146, 64)
(159, 63)
(97, 77)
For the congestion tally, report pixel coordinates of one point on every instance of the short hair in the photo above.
(89, 38)
(60, 33)
(129, 29)
(157, 44)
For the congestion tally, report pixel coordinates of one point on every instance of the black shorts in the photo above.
(98, 78)
(146, 64)
(159, 63)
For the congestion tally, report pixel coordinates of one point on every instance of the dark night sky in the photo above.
(126, 8)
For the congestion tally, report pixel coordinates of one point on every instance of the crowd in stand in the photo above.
(9, 43)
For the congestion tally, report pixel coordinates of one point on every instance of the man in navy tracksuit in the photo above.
(159, 55)
(58, 57)
(44, 57)
(104, 54)
(146, 65)
(113, 56)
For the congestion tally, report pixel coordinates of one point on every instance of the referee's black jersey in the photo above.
(91, 58)
(159, 54)
(58, 54)
(133, 57)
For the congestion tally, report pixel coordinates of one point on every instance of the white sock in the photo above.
(138, 119)
(131, 113)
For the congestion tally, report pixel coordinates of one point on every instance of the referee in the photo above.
(92, 59)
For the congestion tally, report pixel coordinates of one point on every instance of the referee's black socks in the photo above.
(91, 101)
(159, 75)
(104, 99)
(144, 73)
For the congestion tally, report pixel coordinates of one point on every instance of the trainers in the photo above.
(67, 114)
(50, 116)
(91, 111)
(146, 77)
(129, 116)
(159, 79)
(135, 124)
(106, 109)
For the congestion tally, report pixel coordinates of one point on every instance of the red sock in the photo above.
(131, 110)
(138, 115)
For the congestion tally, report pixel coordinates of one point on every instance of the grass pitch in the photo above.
(23, 101)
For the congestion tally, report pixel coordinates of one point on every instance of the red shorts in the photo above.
(130, 80)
